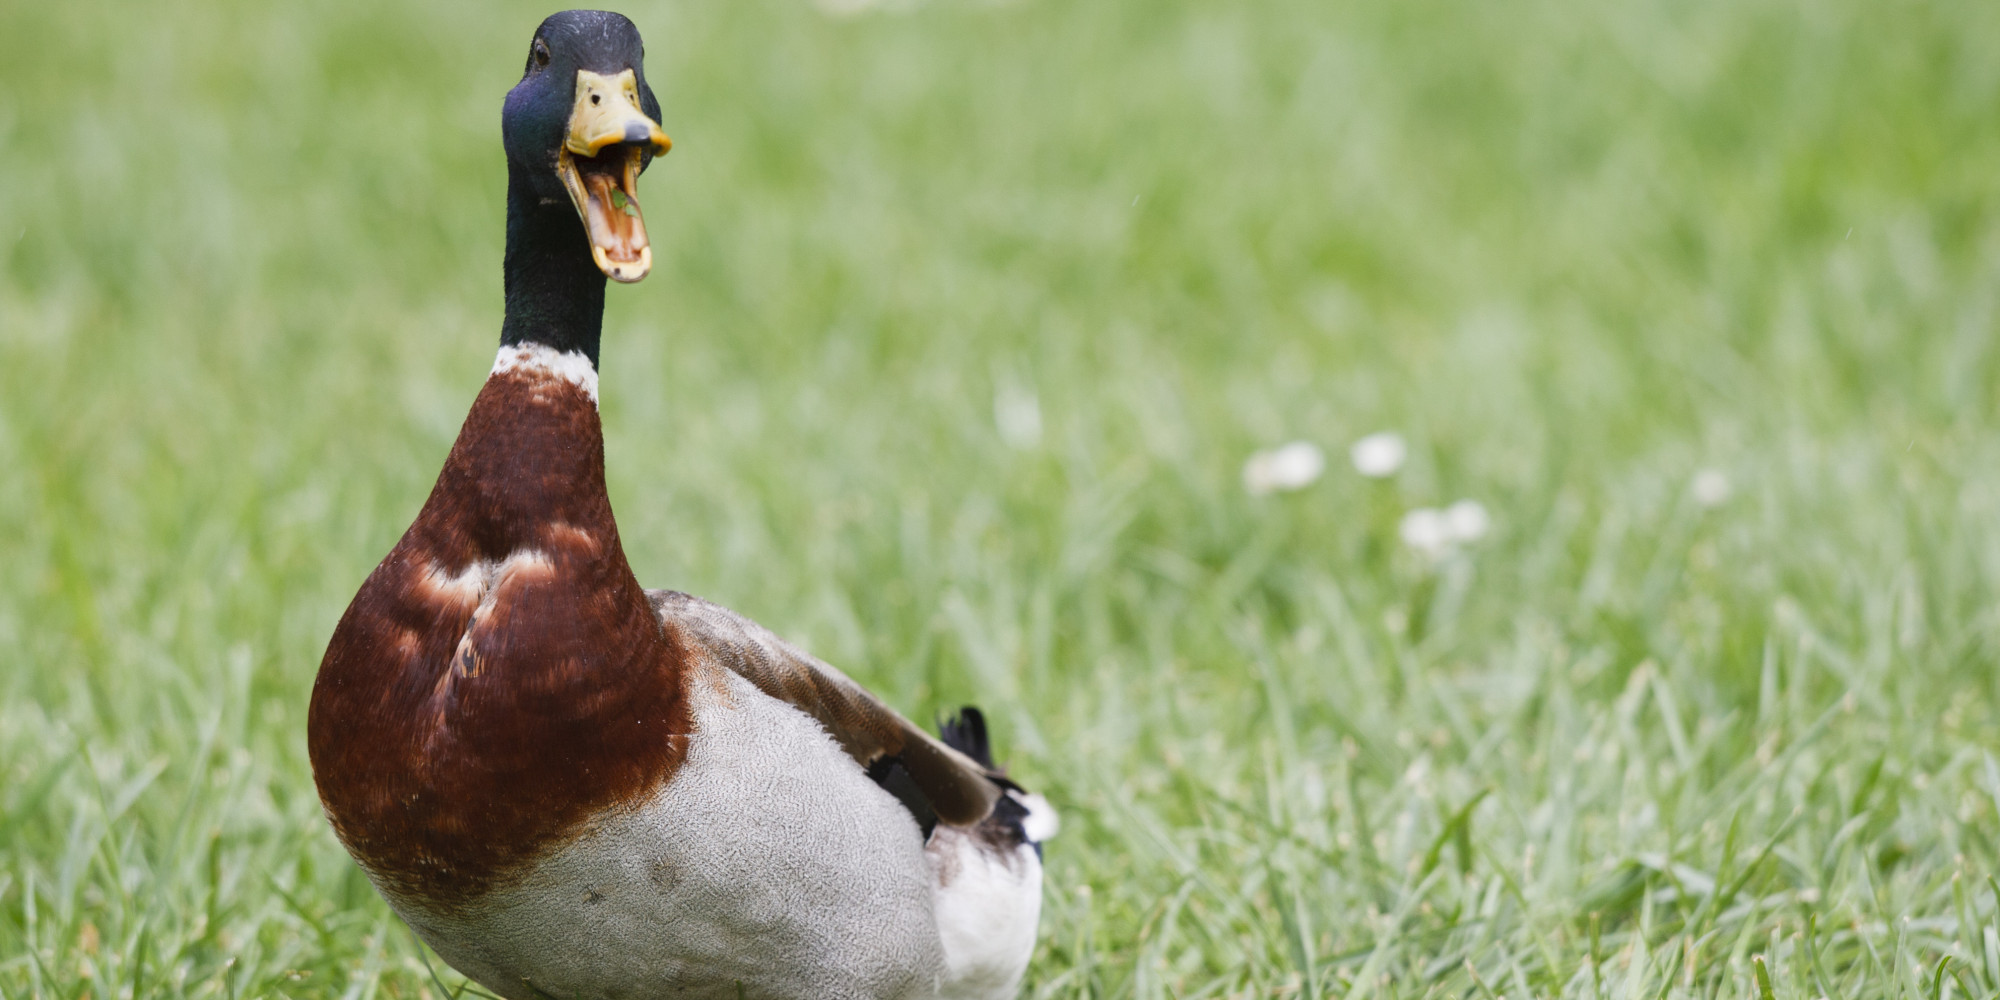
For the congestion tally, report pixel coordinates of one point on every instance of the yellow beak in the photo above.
(599, 165)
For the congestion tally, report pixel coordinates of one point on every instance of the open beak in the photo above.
(599, 164)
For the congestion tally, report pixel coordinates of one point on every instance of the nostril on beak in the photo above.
(637, 132)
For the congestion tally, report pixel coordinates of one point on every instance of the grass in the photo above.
(1626, 746)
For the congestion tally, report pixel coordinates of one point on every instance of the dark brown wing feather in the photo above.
(958, 788)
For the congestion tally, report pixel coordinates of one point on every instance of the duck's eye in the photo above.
(541, 54)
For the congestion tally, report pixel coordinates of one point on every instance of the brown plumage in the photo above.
(440, 777)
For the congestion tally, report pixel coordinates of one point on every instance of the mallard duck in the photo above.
(574, 787)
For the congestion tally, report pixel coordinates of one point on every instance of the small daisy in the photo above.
(1467, 520)
(1435, 532)
(1378, 456)
(1017, 414)
(1427, 530)
(1284, 468)
(1711, 488)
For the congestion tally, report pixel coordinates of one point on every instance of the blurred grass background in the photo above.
(1573, 252)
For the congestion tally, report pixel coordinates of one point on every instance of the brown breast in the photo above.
(500, 677)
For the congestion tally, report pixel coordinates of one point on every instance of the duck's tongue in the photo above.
(599, 165)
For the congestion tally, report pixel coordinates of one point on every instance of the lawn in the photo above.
(965, 318)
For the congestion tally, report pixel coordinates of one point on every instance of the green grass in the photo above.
(1575, 252)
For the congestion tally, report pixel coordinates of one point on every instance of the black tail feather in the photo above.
(1007, 826)
(966, 733)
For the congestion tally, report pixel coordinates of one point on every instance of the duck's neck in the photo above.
(555, 293)
(529, 460)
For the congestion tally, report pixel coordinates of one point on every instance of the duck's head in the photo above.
(581, 126)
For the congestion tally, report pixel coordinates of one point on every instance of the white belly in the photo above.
(769, 867)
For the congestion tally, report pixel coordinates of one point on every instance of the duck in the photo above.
(570, 786)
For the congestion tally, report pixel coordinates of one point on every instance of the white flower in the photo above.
(1436, 532)
(1017, 414)
(1710, 488)
(1379, 455)
(1467, 520)
(1286, 467)
(1427, 530)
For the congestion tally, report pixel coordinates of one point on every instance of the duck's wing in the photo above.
(957, 788)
